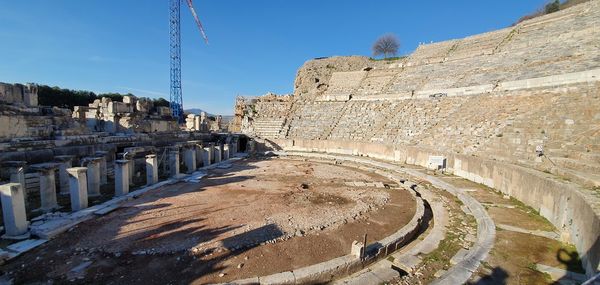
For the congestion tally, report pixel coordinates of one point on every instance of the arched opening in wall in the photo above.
(242, 144)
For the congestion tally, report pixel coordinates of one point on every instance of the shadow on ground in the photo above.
(130, 259)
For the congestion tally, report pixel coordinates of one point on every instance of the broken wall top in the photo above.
(19, 94)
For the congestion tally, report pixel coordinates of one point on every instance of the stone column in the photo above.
(78, 188)
(131, 171)
(231, 148)
(197, 123)
(236, 146)
(65, 162)
(47, 187)
(13, 211)
(199, 151)
(174, 161)
(16, 170)
(189, 158)
(207, 156)
(151, 169)
(129, 156)
(121, 177)
(93, 176)
(102, 155)
(226, 153)
(251, 146)
(197, 148)
(218, 153)
(199, 156)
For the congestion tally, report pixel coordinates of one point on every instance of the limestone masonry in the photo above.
(469, 161)
(524, 98)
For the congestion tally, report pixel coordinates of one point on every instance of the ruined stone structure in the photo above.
(262, 116)
(455, 159)
(19, 94)
(516, 109)
(130, 116)
(204, 123)
(87, 155)
(21, 117)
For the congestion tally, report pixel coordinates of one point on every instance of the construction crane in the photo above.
(176, 96)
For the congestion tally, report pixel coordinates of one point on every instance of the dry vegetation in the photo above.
(551, 7)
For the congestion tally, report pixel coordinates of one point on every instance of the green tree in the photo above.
(160, 102)
(64, 98)
(67, 98)
(552, 7)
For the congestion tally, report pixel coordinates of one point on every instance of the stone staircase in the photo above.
(269, 128)
(495, 124)
(311, 120)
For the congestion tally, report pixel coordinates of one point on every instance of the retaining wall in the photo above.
(330, 270)
(573, 210)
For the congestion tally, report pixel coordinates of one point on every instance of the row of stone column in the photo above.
(194, 154)
(73, 181)
(96, 170)
(84, 182)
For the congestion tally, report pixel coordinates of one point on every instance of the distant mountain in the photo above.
(196, 111)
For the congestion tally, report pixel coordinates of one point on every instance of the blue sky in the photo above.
(255, 46)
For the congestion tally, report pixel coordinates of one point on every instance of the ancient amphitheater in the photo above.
(470, 161)
(516, 110)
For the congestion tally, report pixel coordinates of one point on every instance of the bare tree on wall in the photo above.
(386, 45)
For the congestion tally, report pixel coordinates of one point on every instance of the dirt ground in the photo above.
(256, 218)
(514, 256)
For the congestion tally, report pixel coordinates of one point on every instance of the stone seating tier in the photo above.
(505, 125)
(526, 97)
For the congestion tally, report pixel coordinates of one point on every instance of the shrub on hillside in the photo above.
(67, 98)
(64, 98)
(551, 7)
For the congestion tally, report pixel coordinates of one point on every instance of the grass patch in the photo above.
(445, 250)
(448, 247)
(389, 58)
(532, 213)
(458, 201)
(532, 266)
(596, 191)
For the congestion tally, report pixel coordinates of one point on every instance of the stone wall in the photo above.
(515, 109)
(133, 115)
(499, 95)
(18, 122)
(262, 116)
(22, 118)
(19, 94)
(574, 210)
(314, 76)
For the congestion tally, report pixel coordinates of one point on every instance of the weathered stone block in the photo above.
(78, 187)
(13, 211)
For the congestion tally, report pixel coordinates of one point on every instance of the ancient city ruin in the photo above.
(470, 161)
